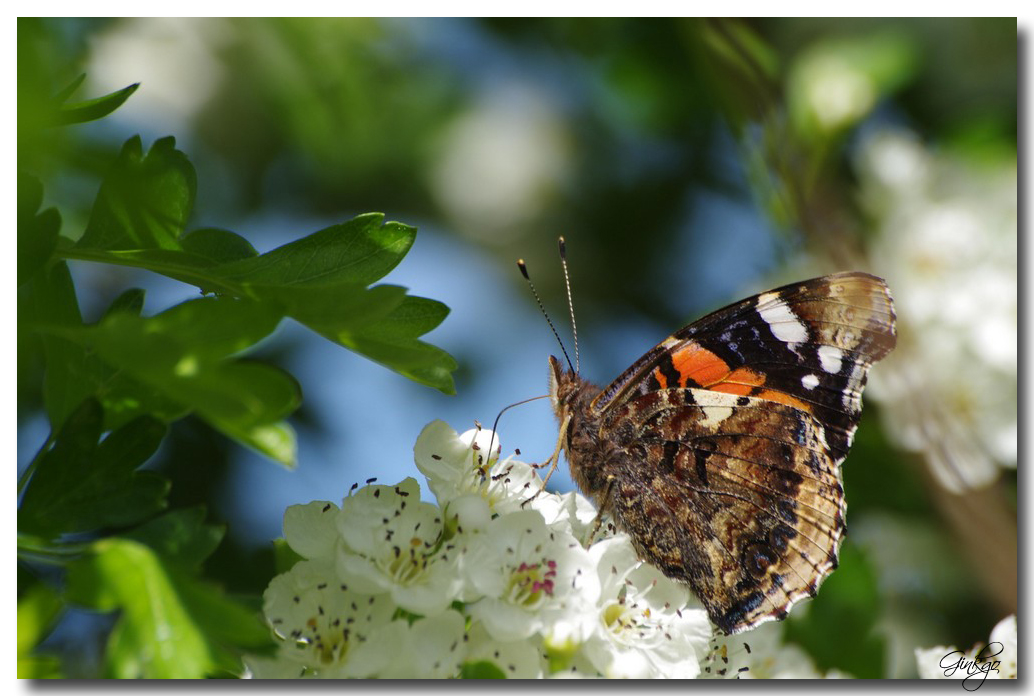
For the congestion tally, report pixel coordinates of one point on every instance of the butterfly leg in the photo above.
(603, 506)
(553, 460)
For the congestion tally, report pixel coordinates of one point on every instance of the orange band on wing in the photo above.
(784, 398)
(740, 382)
(694, 362)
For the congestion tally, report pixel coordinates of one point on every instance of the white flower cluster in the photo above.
(483, 582)
(947, 243)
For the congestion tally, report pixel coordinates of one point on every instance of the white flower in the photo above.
(393, 587)
(392, 542)
(516, 659)
(429, 648)
(311, 529)
(643, 628)
(1004, 632)
(761, 654)
(460, 465)
(320, 619)
(571, 513)
(995, 660)
(528, 575)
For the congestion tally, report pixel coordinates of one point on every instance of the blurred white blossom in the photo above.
(501, 162)
(178, 56)
(994, 660)
(946, 241)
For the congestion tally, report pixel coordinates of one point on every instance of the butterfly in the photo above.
(719, 451)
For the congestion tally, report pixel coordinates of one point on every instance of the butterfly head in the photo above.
(567, 390)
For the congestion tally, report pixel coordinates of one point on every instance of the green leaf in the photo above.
(333, 310)
(80, 485)
(51, 300)
(37, 233)
(66, 92)
(182, 354)
(130, 301)
(219, 246)
(482, 669)
(92, 109)
(171, 623)
(155, 637)
(359, 251)
(72, 372)
(320, 281)
(393, 343)
(187, 267)
(40, 667)
(181, 536)
(144, 201)
(38, 610)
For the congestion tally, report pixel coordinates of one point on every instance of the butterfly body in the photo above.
(719, 451)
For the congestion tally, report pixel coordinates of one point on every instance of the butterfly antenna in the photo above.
(524, 272)
(495, 425)
(570, 303)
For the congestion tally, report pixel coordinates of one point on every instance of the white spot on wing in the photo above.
(785, 325)
(809, 381)
(714, 415)
(716, 407)
(852, 396)
(830, 357)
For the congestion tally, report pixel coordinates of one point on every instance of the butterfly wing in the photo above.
(735, 495)
(731, 434)
(808, 345)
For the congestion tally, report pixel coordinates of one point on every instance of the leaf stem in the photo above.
(180, 272)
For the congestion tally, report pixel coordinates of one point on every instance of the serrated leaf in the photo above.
(333, 310)
(181, 536)
(393, 343)
(359, 251)
(321, 281)
(37, 231)
(80, 485)
(183, 353)
(72, 373)
(92, 109)
(144, 201)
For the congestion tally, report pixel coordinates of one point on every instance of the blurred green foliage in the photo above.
(86, 507)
